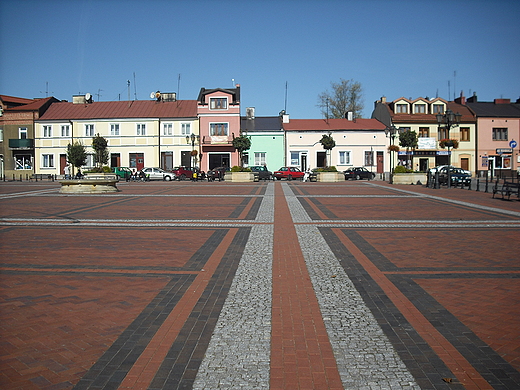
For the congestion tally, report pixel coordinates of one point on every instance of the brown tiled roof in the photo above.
(467, 115)
(333, 124)
(121, 110)
(10, 101)
(34, 105)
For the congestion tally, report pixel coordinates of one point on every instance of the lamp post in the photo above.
(448, 120)
(391, 132)
(192, 139)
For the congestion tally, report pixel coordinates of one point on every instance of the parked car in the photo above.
(263, 172)
(357, 173)
(181, 173)
(217, 173)
(157, 174)
(122, 172)
(438, 168)
(458, 176)
(289, 173)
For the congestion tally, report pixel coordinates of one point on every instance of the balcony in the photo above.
(21, 144)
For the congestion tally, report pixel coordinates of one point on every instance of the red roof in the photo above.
(121, 110)
(333, 124)
(14, 101)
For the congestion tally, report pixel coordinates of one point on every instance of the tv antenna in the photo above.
(46, 89)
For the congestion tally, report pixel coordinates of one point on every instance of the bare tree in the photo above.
(347, 95)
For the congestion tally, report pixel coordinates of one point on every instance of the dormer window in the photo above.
(401, 108)
(438, 108)
(420, 109)
(218, 103)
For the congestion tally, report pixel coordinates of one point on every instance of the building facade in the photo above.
(140, 133)
(359, 142)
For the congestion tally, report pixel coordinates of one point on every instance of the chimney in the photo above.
(285, 118)
(250, 113)
(461, 99)
(502, 101)
(473, 99)
(350, 116)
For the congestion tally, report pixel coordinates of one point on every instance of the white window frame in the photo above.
(419, 108)
(141, 129)
(186, 128)
(47, 131)
(89, 130)
(345, 157)
(260, 158)
(295, 161)
(22, 133)
(222, 100)
(91, 161)
(1, 134)
(168, 128)
(114, 129)
(48, 160)
(213, 124)
(401, 108)
(65, 130)
(22, 161)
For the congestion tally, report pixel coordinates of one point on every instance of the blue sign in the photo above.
(512, 144)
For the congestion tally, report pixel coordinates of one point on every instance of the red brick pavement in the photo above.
(60, 312)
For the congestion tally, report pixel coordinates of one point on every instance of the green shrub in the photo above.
(402, 169)
(236, 168)
(326, 169)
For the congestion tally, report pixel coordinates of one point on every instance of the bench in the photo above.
(507, 189)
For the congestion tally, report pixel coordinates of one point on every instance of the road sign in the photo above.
(512, 144)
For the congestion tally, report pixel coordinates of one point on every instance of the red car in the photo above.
(181, 173)
(289, 173)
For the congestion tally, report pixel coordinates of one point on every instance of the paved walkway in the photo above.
(281, 285)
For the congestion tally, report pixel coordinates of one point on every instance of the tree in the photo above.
(408, 140)
(76, 154)
(241, 144)
(347, 95)
(328, 143)
(100, 146)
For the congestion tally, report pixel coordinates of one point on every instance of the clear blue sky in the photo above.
(393, 48)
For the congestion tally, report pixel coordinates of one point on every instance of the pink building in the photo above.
(219, 119)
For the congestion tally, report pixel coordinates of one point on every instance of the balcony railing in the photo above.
(21, 143)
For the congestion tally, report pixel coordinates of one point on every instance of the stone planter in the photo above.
(88, 186)
(409, 178)
(240, 177)
(330, 177)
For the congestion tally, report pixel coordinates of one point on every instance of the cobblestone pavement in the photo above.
(277, 285)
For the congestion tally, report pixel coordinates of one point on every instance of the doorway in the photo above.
(321, 159)
(137, 161)
(115, 160)
(380, 162)
(219, 160)
(167, 161)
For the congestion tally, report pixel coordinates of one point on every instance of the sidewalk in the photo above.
(280, 285)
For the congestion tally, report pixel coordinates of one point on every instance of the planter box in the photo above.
(330, 176)
(409, 178)
(88, 186)
(239, 177)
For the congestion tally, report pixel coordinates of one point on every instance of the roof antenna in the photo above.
(233, 81)
(135, 89)
(285, 105)
(178, 87)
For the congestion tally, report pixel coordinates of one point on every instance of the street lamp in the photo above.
(391, 132)
(448, 120)
(193, 138)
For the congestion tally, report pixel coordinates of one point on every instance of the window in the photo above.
(369, 158)
(114, 129)
(218, 103)
(500, 134)
(1, 134)
(401, 108)
(344, 158)
(91, 161)
(141, 129)
(48, 160)
(89, 130)
(442, 133)
(65, 131)
(424, 132)
(438, 109)
(185, 128)
(47, 131)
(22, 133)
(260, 158)
(295, 158)
(22, 161)
(464, 133)
(420, 109)
(167, 129)
(218, 129)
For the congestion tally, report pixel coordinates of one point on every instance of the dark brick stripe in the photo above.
(253, 212)
(422, 362)
(181, 364)
(329, 214)
(239, 208)
(111, 368)
(308, 208)
(380, 261)
(498, 372)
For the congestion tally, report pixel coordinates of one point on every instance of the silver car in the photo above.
(157, 174)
